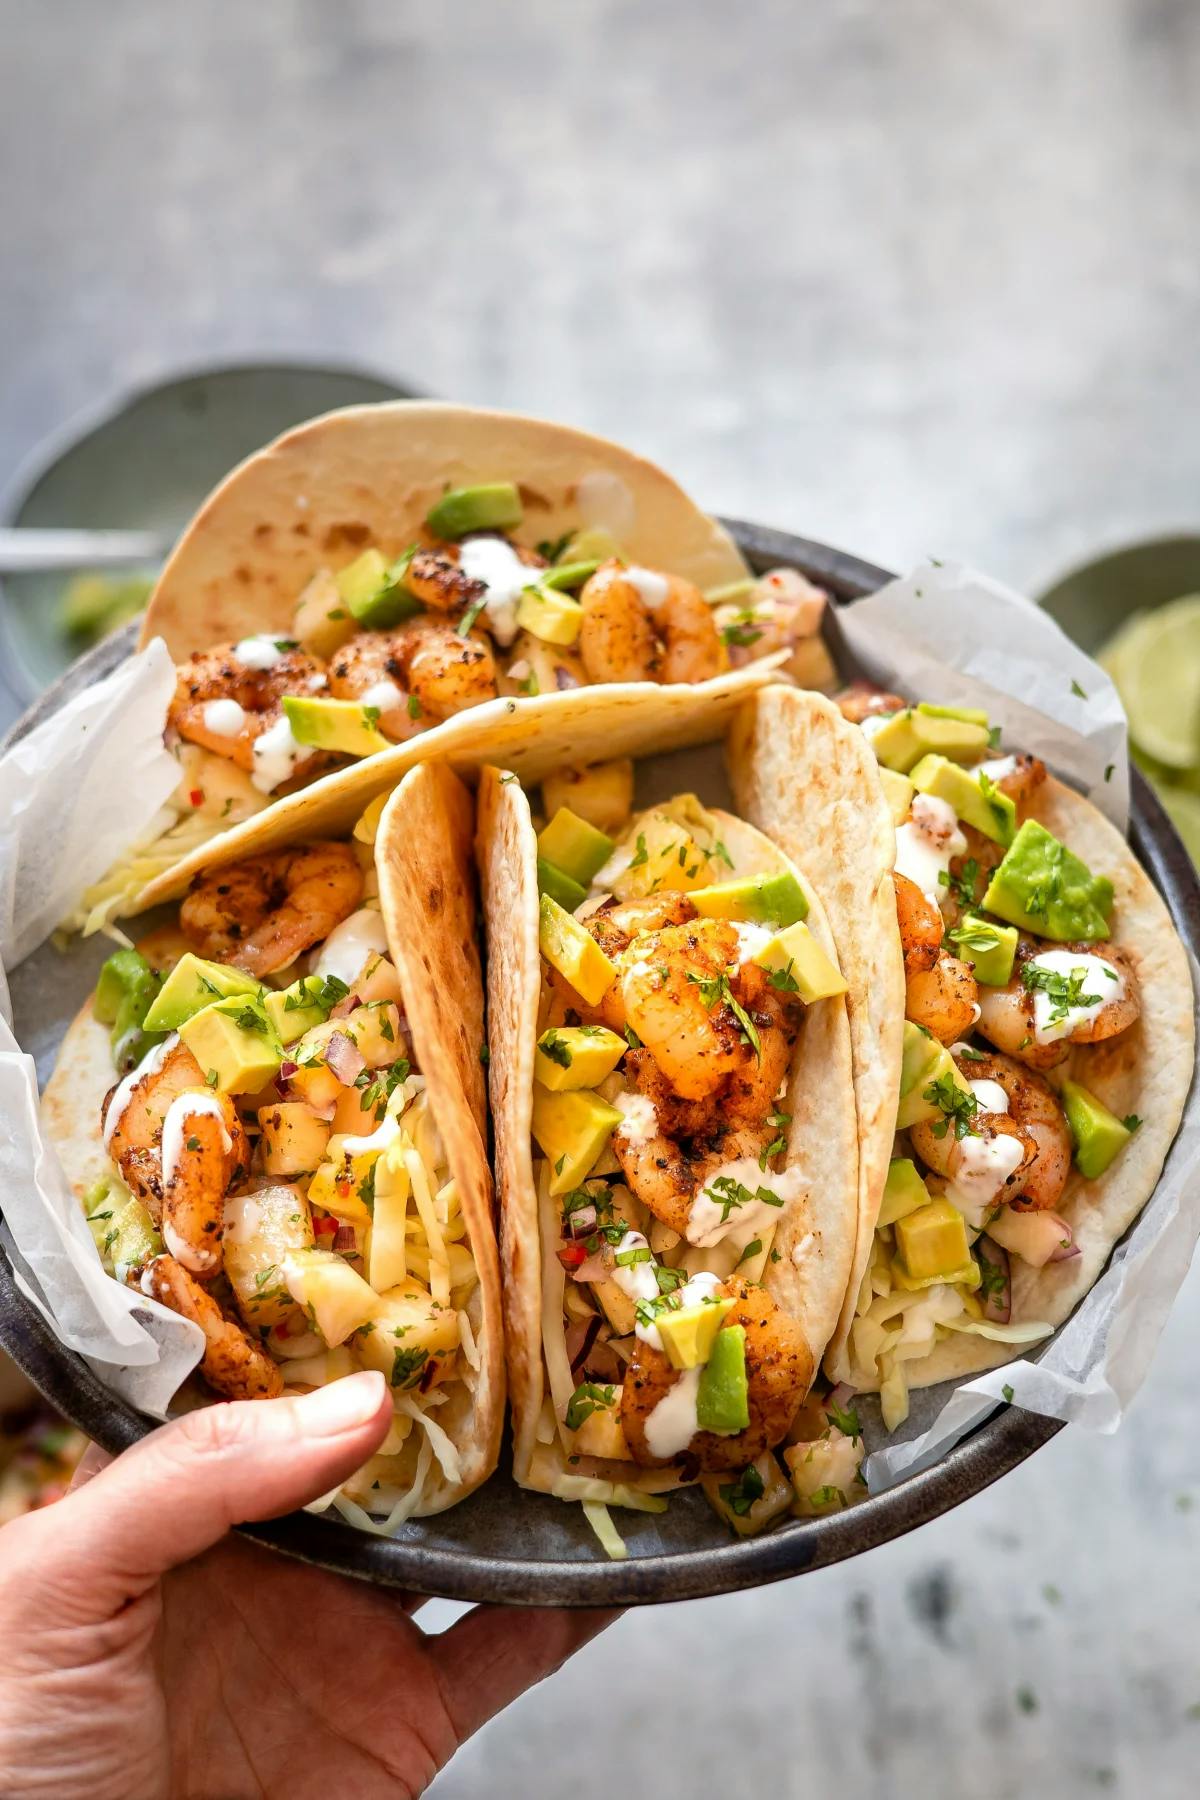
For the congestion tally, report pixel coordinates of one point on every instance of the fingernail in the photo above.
(342, 1405)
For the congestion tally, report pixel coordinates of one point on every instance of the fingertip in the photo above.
(344, 1406)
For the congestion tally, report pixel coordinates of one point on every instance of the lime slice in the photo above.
(1183, 810)
(1155, 662)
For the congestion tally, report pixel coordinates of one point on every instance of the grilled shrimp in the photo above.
(1034, 1116)
(677, 985)
(439, 583)
(261, 914)
(1016, 776)
(233, 1364)
(366, 668)
(862, 701)
(940, 991)
(666, 1174)
(642, 626)
(1007, 1016)
(226, 705)
(779, 1372)
(614, 927)
(430, 662)
(783, 612)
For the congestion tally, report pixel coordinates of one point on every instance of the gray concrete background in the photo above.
(916, 276)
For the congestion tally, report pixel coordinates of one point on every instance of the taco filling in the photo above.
(1018, 990)
(275, 1172)
(676, 968)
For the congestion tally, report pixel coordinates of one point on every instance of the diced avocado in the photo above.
(489, 506)
(903, 1192)
(574, 846)
(577, 1056)
(1099, 1135)
(797, 964)
(914, 1107)
(593, 543)
(374, 592)
(125, 994)
(763, 899)
(192, 985)
(932, 1241)
(897, 791)
(688, 1335)
(94, 605)
(993, 813)
(970, 715)
(574, 952)
(571, 1129)
(918, 1053)
(560, 887)
(1042, 887)
(343, 725)
(907, 736)
(569, 575)
(134, 1237)
(235, 1044)
(988, 947)
(722, 1397)
(296, 1009)
(549, 616)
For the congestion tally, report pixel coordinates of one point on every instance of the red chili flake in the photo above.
(572, 1256)
(196, 796)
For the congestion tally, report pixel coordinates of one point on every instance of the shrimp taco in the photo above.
(390, 583)
(675, 1149)
(1045, 1050)
(273, 1113)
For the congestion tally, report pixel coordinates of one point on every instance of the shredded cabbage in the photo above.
(611, 1541)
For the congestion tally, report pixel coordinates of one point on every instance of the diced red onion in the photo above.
(582, 1223)
(565, 678)
(345, 1007)
(345, 1058)
(841, 1397)
(997, 1302)
(1068, 1248)
(346, 1241)
(287, 1069)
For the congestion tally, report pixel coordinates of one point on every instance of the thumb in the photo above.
(179, 1490)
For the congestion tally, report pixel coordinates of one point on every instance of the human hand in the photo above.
(143, 1651)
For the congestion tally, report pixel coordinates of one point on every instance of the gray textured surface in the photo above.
(908, 277)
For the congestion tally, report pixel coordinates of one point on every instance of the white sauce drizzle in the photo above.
(997, 768)
(259, 652)
(804, 1248)
(990, 1095)
(652, 588)
(640, 1123)
(706, 1226)
(673, 1424)
(636, 1279)
(385, 1133)
(493, 561)
(385, 695)
(984, 1166)
(349, 944)
(150, 1064)
(1102, 984)
(276, 754)
(224, 718)
(926, 843)
(751, 940)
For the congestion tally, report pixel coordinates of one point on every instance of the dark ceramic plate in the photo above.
(505, 1545)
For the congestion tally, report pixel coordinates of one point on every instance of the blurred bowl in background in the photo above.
(1093, 601)
(147, 461)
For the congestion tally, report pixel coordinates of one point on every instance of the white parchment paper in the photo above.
(74, 796)
(83, 788)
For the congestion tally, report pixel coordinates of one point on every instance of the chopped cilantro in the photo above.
(730, 1194)
(846, 1420)
(782, 980)
(979, 937)
(1007, 1392)
(742, 630)
(371, 716)
(1078, 691)
(1065, 991)
(716, 988)
(752, 1249)
(589, 1397)
(193, 1143)
(414, 707)
(740, 1495)
(553, 1047)
(407, 1365)
(485, 1055)
(1109, 771)
(211, 1078)
(642, 855)
(958, 1106)
(467, 622)
(962, 885)
(1131, 1122)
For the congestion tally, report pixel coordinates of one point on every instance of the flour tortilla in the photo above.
(805, 774)
(1147, 1070)
(368, 475)
(427, 896)
(816, 1238)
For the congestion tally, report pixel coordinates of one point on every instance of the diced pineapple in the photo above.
(261, 1230)
(603, 794)
(825, 1473)
(664, 855)
(379, 980)
(336, 1297)
(745, 1503)
(293, 1137)
(322, 621)
(320, 1370)
(602, 1434)
(354, 1113)
(376, 1031)
(313, 1080)
(407, 1332)
(334, 1189)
